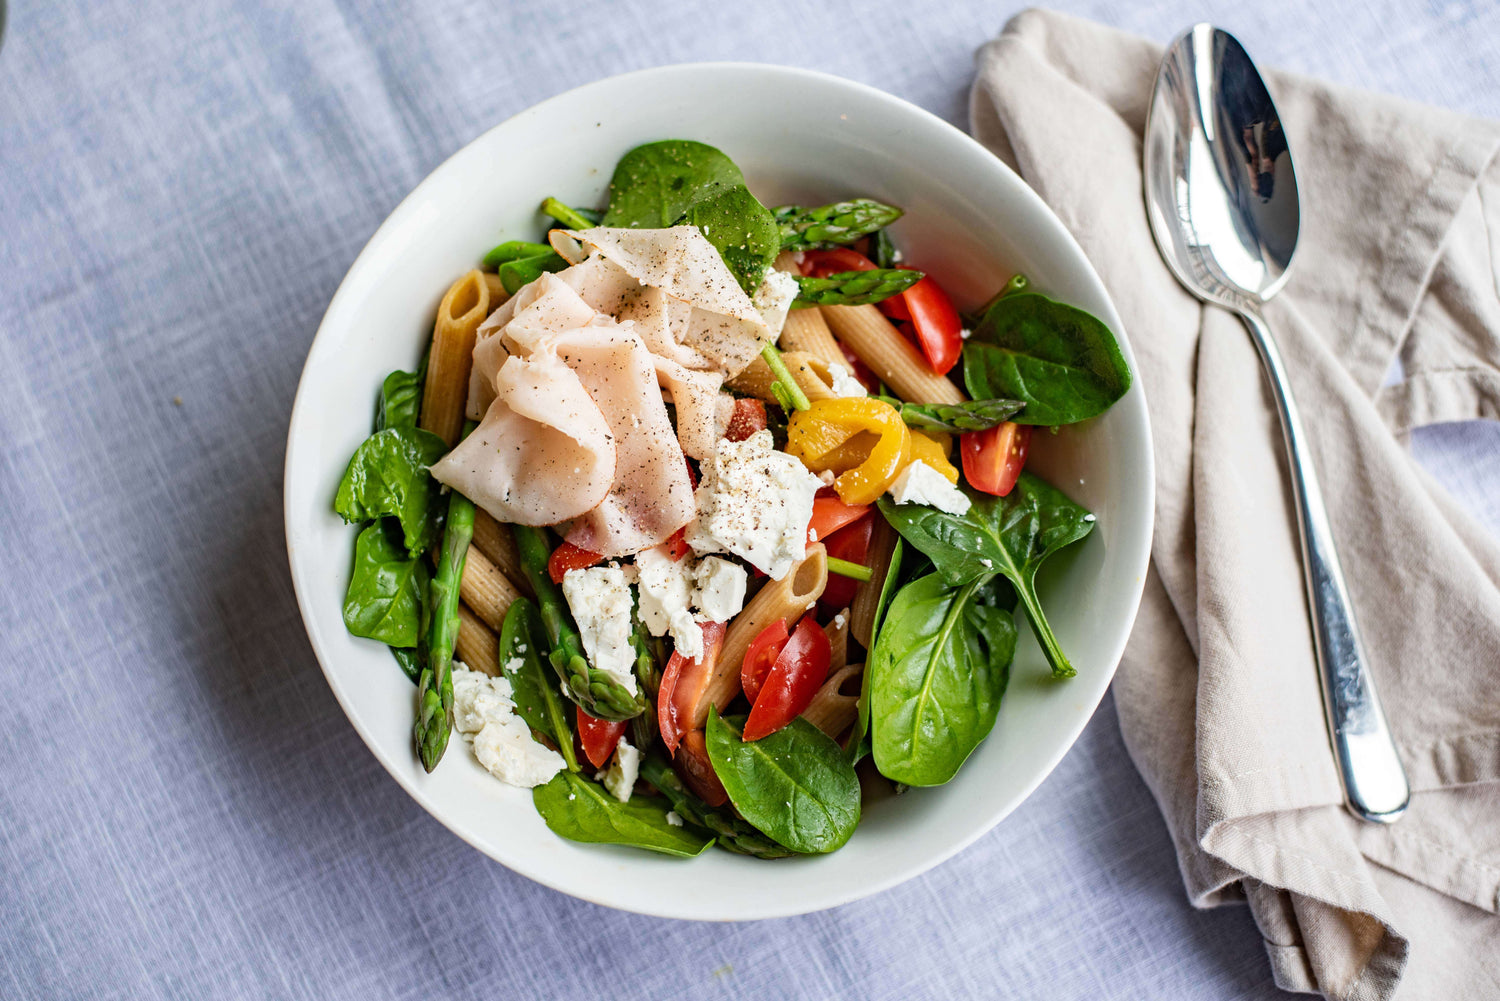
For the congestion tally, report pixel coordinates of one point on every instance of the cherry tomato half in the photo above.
(761, 656)
(569, 557)
(749, 417)
(851, 543)
(994, 458)
(939, 330)
(831, 514)
(794, 679)
(677, 545)
(822, 263)
(598, 737)
(682, 683)
(697, 771)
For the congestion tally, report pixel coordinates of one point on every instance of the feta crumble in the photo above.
(673, 818)
(624, 767)
(678, 595)
(919, 483)
(774, 299)
(602, 605)
(484, 714)
(754, 502)
(844, 383)
(720, 591)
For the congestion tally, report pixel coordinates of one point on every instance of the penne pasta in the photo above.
(485, 589)
(476, 645)
(867, 596)
(806, 330)
(810, 372)
(833, 709)
(496, 287)
(495, 541)
(787, 599)
(892, 357)
(446, 392)
(837, 632)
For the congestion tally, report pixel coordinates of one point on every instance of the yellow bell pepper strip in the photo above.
(929, 448)
(814, 433)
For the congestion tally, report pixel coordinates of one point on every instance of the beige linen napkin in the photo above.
(1217, 693)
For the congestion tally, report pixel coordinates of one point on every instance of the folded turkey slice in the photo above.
(542, 309)
(724, 326)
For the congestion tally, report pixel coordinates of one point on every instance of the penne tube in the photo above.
(810, 372)
(787, 599)
(867, 596)
(832, 709)
(496, 287)
(495, 541)
(892, 357)
(476, 645)
(807, 331)
(446, 393)
(485, 589)
(837, 632)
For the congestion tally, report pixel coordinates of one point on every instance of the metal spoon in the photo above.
(1222, 198)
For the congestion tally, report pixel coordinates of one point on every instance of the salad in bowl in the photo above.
(705, 519)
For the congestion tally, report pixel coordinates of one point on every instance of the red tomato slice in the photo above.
(994, 458)
(569, 557)
(697, 771)
(852, 543)
(677, 545)
(794, 679)
(822, 263)
(760, 656)
(894, 307)
(749, 417)
(938, 328)
(682, 683)
(831, 514)
(599, 737)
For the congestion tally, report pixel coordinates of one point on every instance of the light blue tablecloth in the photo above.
(184, 812)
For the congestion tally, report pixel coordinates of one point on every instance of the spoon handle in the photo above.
(1370, 770)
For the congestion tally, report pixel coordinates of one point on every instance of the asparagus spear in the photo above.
(733, 834)
(854, 288)
(883, 250)
(971, 415)
(841, 222)
(596, 692)
(569, 216)
(643, 728)
(435, 684)
(785, 388)
(1018, 283)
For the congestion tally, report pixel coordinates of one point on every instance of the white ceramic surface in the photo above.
(799, 136)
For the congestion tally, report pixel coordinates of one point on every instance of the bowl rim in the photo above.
(792, 906)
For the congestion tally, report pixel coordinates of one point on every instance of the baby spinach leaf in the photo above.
(734, 835)
(400, 399)
(410, 661)
(859, 744)
(937, 673)
(387, 476)
(679, 182)
(654, 184)
(1010, 535)
(830, 225)
(387, 596)
(1061, 361)
(580, 810)
(515, 250)
(795, 785)
(523, 644)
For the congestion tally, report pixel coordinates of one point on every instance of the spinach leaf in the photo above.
(859, 744)
(795, 785)
(387, 476)
(1061, 361)
(1010, 535)
(387, 596)
(733, 834)
(523, 645)
(830, 225)
(400, 399)
(676, 182)
(410, 661)
(955, 418)
(937, 673)
(515, 250)
(654, 185)
(580, 810)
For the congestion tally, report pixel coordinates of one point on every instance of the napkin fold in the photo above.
(1396, 271)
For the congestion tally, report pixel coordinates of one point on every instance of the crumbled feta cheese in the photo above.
(624, 766)
(666, 597)
(964, 333)
(513, 665)
(754, 502)
(484, 714)
(720, 593)
(919, 483)
(600, 600)
(673, 818)
(839, 620)
(826, 477)
(774, 298)
(844, 383)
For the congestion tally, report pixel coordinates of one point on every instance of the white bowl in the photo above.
(799, 136)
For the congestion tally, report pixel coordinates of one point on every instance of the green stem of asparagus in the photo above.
(792, 393)
(564, 214)
(844, 568)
